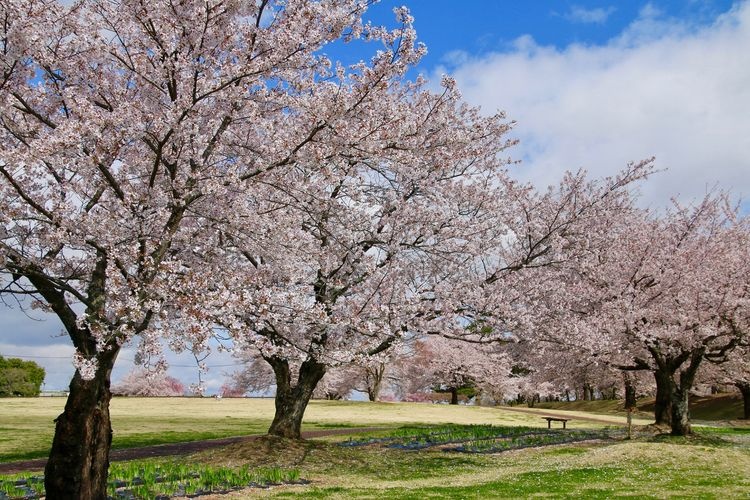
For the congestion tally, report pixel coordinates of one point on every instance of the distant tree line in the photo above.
(19, 377)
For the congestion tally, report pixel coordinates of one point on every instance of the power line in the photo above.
(119, 359)
(35, 357)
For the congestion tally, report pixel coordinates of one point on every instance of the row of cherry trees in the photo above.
(171, 172)
(659, 296)
(668, 294)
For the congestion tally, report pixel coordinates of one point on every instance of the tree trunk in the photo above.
(588, 392)
(630, 395)
(664, 389)
(680, 395)
(454, 395)
(291, 400)
(744, 388)
(79, 460)
(374, 378)
(680, 414)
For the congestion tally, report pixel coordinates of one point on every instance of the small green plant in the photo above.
(10, 490)
(150, 479)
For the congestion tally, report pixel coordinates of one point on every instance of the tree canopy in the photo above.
(20, 378)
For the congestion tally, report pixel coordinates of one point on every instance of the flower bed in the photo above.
(150, 480)
(478, 438)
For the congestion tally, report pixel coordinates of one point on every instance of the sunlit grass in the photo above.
(714, 407)
(713, 464)
(28, 423)
(604, 469)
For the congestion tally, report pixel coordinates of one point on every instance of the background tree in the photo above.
(140, 382)
(732, 369)
(338, 382)
(20, 378)
(667, 292)
(456, 367)
(373, 378)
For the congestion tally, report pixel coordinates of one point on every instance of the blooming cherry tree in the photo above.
(148, 384)
(449, 365)
(351, 243)
(125, 128)
(668, 292)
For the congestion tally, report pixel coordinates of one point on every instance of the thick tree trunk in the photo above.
(744, 388)
(681, 395)
(613, 394)
(291, 400)
(671, 406)
(373, 392)
(588, 392)
(454, 395)
(664, 388)
(79, 460)
(680, 414)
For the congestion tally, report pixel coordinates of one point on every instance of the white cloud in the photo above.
(661, 88)
(599, 15)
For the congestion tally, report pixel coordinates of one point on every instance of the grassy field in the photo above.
(26, 424)
(643, 468)
(713, 464)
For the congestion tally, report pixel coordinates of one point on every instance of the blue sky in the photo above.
(595, 84)
(591, 85)
(485, 26)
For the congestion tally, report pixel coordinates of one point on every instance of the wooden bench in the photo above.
(550, 419)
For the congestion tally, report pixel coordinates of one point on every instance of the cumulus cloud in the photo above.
(599, 15)
(661, 88)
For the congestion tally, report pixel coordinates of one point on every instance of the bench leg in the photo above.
(564, 422)
(549, 424)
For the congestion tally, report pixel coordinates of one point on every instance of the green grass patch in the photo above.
(714, 464)
(643, 468)
(479, 438)
(29, 422)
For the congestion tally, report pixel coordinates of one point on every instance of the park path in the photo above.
(163, 450)
(543, 412)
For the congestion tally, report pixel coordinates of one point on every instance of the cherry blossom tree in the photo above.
(338, 382)
(419, 232)
(448, 365)
(354, 242)
(149, 384)
(669, 291)
(125, 127)
(731, 369)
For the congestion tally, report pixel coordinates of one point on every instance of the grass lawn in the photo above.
(26, 424)
(650, 466)
(713, 464)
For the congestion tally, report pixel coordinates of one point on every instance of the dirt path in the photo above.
(163, 450)
(547, 413)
